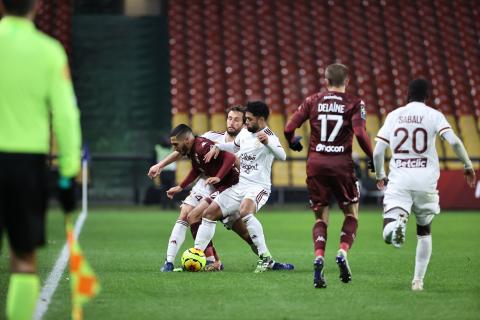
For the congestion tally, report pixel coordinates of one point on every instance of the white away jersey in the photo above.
(256, 159)
(410, 131)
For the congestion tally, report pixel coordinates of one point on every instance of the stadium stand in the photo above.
(278, 50)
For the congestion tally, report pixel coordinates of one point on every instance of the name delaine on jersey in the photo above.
(331, 107)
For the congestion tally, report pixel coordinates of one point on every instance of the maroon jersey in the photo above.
(222, 167)
(333, 117)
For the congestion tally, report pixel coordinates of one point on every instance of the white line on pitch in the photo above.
(54, 277)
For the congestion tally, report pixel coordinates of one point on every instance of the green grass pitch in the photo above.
(126, 248)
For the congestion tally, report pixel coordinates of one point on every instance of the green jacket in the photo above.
(34, 83)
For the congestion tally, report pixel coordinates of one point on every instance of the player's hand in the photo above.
(154, 171)
(213, 153)
(470, 177)
(371, 165)
(67, 195)
(171, 192)
(263, 137)
(295, 144)
(381, 184)
(212, 180)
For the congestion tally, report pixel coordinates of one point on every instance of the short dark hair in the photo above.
(180, 130)
(18, 7)
(336, 74)
(237, 108)
(258, 109)
(418, 90)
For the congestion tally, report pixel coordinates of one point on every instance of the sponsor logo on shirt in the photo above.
(332, 96)
(246, 163)
(411, 163)
(330, 149)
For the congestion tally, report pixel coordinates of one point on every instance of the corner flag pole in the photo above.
(85, 159)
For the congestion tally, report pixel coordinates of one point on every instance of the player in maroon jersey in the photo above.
(221, 173)
(335, 117)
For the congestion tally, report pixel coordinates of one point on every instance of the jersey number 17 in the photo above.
(324, 118)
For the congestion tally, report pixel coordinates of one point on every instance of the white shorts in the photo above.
(199, 192)
(230, 199)
(425, 205)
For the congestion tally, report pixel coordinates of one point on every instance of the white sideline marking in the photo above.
(54, 277)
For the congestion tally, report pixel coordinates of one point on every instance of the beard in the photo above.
(184, 151)
(232, 132)
(253, 128)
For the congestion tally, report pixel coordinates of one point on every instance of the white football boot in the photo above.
(417, 285)
(400, 230)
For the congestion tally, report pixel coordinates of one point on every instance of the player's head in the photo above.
(336, 75)
(181, 138)
(19, 8)
(256, 115)
(235, 119)
(418, 90)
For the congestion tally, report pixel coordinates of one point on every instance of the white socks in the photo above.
(176, 239)
(255, 230)
(424, 251)
(205, 233)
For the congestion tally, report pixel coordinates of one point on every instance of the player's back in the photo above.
(331, 116)
(411, 132)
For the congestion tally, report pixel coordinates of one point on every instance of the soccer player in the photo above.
(410, 132)
(335, 117)
(200, 191)
(34, 84)
(258, 146)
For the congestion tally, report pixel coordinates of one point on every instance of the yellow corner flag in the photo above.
(84, 283)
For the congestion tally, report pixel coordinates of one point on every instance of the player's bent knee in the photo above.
(195, 215)
(184, 211)
(213, 212)
(424, 230)
(247, 206)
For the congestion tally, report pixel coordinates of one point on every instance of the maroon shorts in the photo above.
(343, 187)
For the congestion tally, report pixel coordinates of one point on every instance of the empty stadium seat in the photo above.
(278, 52)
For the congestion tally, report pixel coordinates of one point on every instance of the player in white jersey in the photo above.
(196, 202)
(410, 132)
(258, 146)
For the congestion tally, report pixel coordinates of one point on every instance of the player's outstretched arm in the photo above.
(157, 168)
(461, 153)
(231, 147)
(378, 159)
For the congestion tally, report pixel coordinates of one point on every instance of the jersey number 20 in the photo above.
(323, 126)
(416, 134)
